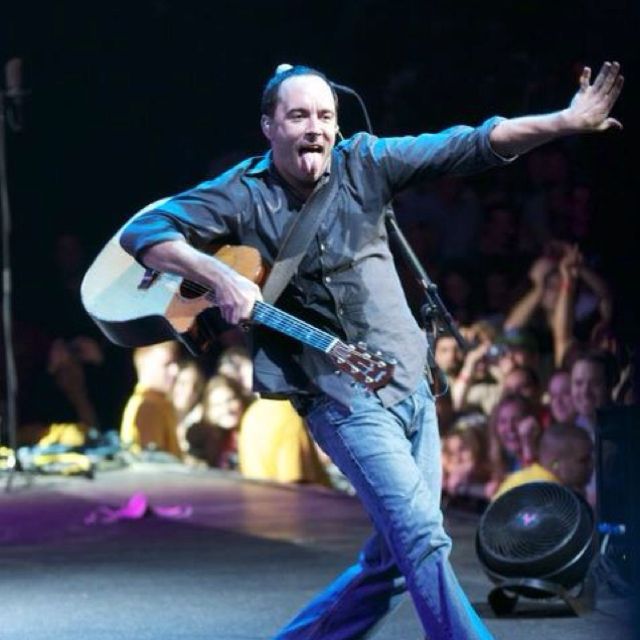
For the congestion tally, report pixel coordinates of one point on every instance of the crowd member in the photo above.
(525, 381)
(214, 438)
(465, 463)
(186, 396)
(551, 308)
(594, 375)
(514, 432)
(149, 420)
(559, 401)
(487, 365)
(274, 444)
(385, 443)
(235, 363)
(565, 456)
(573, 304)
(79, 377)
(448, 359)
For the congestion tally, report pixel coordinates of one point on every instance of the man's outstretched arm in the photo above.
(589, 111)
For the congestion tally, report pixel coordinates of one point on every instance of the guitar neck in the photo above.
(291, 326)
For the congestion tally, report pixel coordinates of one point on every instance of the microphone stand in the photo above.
(436, 318)
(9, 104)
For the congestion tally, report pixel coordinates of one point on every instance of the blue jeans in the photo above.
(392, 457)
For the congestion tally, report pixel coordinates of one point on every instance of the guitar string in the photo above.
(280, 320)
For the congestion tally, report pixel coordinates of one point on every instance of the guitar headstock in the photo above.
(366, 368)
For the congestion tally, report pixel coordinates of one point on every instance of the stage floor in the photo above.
(240, 565)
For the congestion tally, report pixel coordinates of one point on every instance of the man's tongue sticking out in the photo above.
(312, 163)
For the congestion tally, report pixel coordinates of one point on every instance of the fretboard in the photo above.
(279, 320)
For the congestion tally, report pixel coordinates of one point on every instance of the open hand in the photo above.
(590, 107)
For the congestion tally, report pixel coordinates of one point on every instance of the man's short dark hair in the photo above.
(270, 93)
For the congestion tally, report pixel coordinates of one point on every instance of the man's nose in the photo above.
(313, 127)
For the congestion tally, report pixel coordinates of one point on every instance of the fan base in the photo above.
(504, 598)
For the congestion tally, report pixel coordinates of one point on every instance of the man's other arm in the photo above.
(589, 111)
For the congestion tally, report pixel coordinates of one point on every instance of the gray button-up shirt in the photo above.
(347, 283)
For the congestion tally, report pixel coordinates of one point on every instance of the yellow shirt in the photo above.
(274, 445)
(149, 419)
(533, 473)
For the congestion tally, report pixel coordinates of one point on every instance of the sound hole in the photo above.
(191, 290)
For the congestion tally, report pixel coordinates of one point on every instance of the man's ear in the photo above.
(265, 124)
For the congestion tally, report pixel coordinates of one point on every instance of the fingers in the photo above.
(607, 76)
(612, 123)
(236, 302)
(585, 77)
(612, 96)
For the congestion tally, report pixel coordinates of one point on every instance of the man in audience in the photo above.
(565, 456)
(149, 420)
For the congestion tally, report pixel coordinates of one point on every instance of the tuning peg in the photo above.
(362, 346)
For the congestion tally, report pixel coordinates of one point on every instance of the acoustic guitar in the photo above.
(134, 306)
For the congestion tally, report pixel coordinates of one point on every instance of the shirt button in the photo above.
(340, 311)
(322, 246)
(327, 279)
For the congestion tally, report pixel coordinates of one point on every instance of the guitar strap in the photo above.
(300, 233)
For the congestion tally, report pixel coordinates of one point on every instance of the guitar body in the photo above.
(134, 306)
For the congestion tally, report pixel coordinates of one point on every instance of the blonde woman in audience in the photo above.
(514, 432)
(465, 463)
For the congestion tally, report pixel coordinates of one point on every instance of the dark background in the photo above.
(133, 101)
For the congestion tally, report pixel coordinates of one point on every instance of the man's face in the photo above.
(447, 354)
(588, 388)
(575, 468)
(517, 381)
(302, 131)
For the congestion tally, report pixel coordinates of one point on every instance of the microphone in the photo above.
(14, 92)
(13, 78)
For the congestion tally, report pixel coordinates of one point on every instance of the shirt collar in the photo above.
(262, 165)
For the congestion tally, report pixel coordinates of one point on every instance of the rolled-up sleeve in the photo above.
(199, 216)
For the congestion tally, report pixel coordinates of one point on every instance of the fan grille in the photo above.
(533, 530)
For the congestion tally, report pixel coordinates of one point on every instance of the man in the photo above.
(565, 456)
(149, 419)
(386, 443)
